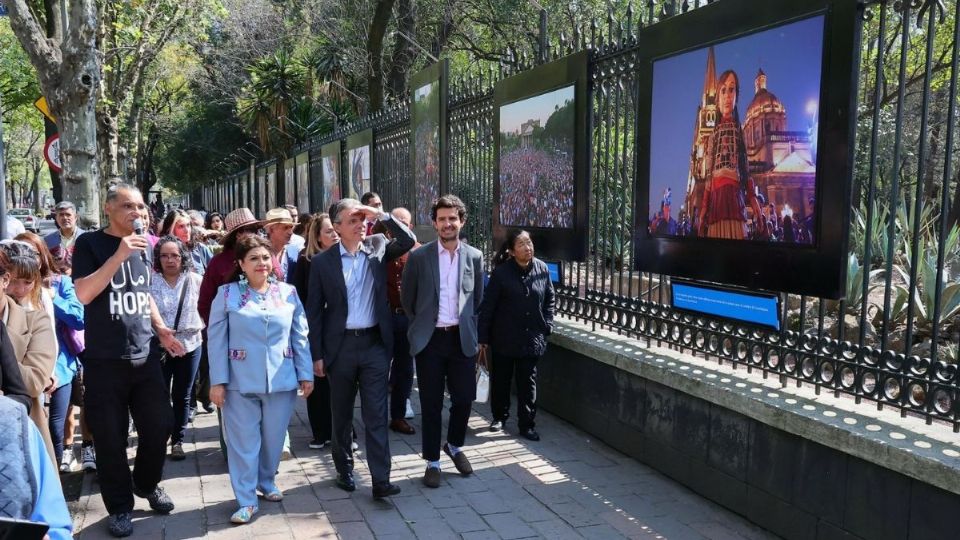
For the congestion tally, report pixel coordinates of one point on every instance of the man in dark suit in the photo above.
(351, 334)
(441, 292)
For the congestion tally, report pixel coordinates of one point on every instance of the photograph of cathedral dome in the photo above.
(734, 138)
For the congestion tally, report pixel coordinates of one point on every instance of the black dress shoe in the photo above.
(345, 482)
(496, 426)
(530, 434)
(385, 490)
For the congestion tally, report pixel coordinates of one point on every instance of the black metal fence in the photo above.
(891, 340)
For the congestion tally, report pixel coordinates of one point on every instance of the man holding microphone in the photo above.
(112, 277)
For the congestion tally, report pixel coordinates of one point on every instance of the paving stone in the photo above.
(567, 486)
(509, 526)
(463, 519)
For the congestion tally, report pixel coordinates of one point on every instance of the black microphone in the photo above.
(138, 230)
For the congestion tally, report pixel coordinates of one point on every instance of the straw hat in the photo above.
(238, 219)
(279, 216)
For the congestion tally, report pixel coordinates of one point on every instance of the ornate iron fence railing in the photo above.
(891, 340)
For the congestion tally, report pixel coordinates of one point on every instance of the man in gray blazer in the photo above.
(351, 334)
(441, 291)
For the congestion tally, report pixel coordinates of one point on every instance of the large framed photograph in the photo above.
(359, 163)
(542, 157)
(745, 156)
(428, 155)
(330, 182)
(303, 182)
(260, 188)
(271, 187)
(289, 181)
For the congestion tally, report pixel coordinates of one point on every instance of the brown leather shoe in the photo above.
(402, 426)
(460, 461)
(431, 477)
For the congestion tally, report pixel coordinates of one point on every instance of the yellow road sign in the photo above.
(41, 105)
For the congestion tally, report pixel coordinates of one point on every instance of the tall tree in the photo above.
(131, 36)
(68, 68)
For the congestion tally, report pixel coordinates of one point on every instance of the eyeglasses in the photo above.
(174, 256)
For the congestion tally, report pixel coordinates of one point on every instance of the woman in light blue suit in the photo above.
(257, 342)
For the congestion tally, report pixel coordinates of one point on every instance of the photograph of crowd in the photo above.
(426, 132)
(359, 171)
(537, 160)
(303, 183)
(747, 169)
(331, 178)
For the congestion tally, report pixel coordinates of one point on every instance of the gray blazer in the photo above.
(420, 295)
(327, 292)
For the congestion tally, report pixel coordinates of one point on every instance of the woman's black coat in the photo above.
(516, 315)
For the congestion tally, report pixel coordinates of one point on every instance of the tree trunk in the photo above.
(108, 143)
(403, 52)
(68, 72)
(378, 27)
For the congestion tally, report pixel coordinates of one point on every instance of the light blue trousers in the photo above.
(255, 425)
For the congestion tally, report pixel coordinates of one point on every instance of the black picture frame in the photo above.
(356, 143)
(302, 165)
(426, 189)
(555, 243)
(817, 269)
(330, 187)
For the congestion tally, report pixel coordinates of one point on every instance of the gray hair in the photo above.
(341, 205)
(114, 190)
(65, 205)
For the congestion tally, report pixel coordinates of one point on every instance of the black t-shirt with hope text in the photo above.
(117, 321)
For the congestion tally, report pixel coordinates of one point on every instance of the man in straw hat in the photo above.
(279, 226)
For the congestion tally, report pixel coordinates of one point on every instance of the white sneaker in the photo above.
(409, 413)
(89, 458)
(287, 454)
(66, 465)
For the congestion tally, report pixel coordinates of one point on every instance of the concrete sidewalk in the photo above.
(565, 486)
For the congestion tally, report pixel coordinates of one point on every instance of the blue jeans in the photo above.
(182, 370)
(401, 369)
(59, 403)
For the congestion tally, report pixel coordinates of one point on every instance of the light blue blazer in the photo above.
(258, 345)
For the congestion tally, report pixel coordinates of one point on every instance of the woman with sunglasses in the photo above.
(516, 317)
(179, 224)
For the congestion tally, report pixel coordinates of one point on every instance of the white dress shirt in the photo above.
(449, 312)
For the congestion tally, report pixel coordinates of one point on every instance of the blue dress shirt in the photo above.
(359, 281)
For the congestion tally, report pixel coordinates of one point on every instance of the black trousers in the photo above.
(364, 365)
(318, 409)
(201, 383)
(401, 369)
(442, 364)
(180, 371)
(524, 370)
(114, 389)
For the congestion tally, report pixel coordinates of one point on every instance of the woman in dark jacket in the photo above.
(515, 319)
